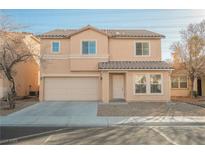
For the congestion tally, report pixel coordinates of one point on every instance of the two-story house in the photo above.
(103, 65)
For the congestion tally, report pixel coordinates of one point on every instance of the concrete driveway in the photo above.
(63, 114)
(80, 114)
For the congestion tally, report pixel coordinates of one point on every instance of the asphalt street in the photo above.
(8, 132)
(123, 134)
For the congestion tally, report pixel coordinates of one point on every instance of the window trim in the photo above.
(179, 81)
(81, 48)
(141, 84)
(148, 85)
(52, 47)
(142, 41)
(155, 83)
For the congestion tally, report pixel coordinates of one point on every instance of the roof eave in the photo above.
(155, 37)
(127, 69)
(51, 36)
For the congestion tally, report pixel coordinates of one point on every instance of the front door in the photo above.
(118, 86)
(199, 88)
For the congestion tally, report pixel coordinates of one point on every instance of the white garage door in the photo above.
(71, 88)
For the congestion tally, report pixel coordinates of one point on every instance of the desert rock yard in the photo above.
(151, 109)
(20, 104)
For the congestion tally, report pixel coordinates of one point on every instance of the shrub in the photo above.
(195, 94)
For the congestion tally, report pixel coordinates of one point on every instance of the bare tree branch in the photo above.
(13, 50)
(191, 50)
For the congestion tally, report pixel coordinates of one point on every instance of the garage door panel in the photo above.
(71, 88)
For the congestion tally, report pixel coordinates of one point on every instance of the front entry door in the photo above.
(118, 86)
(199, 88)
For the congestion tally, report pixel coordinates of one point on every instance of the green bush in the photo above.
(195, 94)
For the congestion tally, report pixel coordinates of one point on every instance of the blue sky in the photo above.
(167, 22)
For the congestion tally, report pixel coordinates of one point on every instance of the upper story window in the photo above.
(88, 47)
(142, 48)
(179, 82)
(55, 47)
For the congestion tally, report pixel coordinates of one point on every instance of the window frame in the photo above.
(179, 81)
(177, 78)
(81, 47)
(140, 84)
(148, 84)
(52, 47)
(156, 83)
(142, 41)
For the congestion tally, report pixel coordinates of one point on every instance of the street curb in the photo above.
(31, 136)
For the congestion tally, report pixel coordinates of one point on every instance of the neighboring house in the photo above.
(105, 65)
(2, 86)
(180, 83)
(26, 74)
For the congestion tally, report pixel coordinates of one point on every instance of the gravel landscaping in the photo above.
(20, 104)
(150, 109)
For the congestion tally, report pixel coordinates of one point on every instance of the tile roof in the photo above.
(132, 33)
(134, 65)
(66, 33)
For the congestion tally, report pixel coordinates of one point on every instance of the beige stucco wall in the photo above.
(180, 92)
(101, 39)
(55, 66)
(83, 62)
(46, 46)
(70, 58)
(26, 77)
(124, 49)
(105, 87)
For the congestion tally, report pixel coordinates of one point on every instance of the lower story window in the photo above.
(175, 82)
(183, 82)
(179, 82)
(155, 83)
(148, 84)
(140, 84)
(140, 88)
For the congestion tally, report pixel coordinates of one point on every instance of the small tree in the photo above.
(191, 50)
(13, 50)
